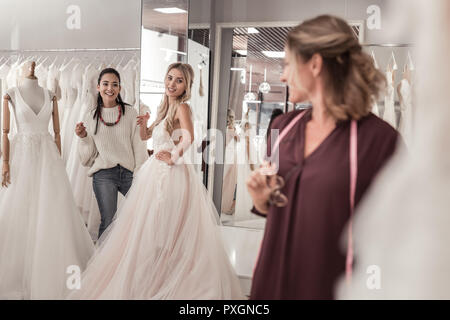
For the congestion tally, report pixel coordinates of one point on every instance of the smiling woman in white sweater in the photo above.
(110, 145)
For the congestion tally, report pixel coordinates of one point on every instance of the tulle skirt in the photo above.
(164, 244)
(41, 231)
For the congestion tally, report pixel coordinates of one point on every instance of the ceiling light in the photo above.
(264, 87)
(274, 54)
(170, 10)
(252, 30)
(242, 52)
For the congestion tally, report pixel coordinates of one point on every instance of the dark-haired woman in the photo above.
(328, 157)
(110, 145)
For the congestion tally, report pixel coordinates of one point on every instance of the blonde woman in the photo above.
(165, 243)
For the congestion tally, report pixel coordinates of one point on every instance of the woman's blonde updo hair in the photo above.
(352, 83)
(166, 109)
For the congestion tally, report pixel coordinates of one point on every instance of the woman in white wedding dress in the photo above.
(41, 231)
(165, 242)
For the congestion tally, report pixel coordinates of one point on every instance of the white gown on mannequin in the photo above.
(41, 231)
(165, 242)
(389, 101)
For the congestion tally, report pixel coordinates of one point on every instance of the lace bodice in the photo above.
(161, 138)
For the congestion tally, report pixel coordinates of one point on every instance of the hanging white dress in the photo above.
(165, 242)
(78, 175)
(41, 232)
(68, 97)
(406, 119)
(389, 101)
(229, 173)
(128, 75)
(375, 109)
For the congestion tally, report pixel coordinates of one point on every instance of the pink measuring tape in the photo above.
(353, 177)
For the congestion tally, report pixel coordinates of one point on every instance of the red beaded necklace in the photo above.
(110, 124)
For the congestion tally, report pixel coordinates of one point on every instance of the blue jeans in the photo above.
(107, 183)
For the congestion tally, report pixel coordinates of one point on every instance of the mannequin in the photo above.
(33, 95)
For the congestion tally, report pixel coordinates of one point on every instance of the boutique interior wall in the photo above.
(63, 24)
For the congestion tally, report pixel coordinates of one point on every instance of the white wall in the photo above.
(41, 24)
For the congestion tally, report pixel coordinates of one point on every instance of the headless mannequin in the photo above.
(33, 95)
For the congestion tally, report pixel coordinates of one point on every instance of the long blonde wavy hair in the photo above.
(167, 109)
(352, 83)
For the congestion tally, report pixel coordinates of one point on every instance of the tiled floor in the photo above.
(242, 245)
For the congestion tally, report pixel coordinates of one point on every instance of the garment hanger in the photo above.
(394, 62)
(409, 62)
(43, 60)
(113, 60)
(64, 66)
(9, 59)
(374, 60)
(121, 61)
(52, 65)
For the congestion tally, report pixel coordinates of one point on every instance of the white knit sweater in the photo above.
(112, 145)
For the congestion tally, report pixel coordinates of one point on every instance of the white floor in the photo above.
(242, 245)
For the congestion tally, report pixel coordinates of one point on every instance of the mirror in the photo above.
(255, 93)
(163, 42)
(246, 89)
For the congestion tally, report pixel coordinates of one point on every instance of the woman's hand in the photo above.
(165, 156)
(258, 187)
(80, 130)
(6, 176)
(143, 120)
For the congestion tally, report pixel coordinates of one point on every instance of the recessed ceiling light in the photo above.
(242, 52)
(252, 30)
(274, 54)
(170, 10)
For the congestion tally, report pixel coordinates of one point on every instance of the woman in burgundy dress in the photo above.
(302, 256)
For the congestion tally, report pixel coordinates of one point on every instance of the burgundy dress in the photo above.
(301, 255)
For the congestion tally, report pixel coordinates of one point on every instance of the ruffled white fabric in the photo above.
(165, 242)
